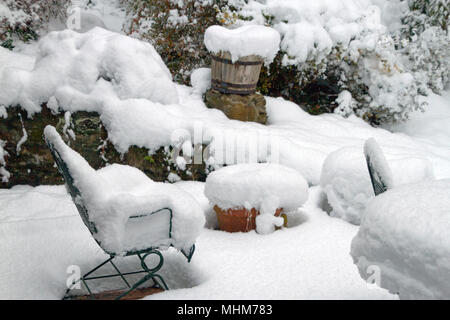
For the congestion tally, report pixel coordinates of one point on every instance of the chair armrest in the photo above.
(189, 254)
(143, 215)
(135, 207)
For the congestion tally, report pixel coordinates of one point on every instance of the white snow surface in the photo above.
(243, 41)
(115, 193)
(42, 235)
(197, 191)
(15, 60)
(76, 67)
(201, 80)
(263, 186)
(346, 182)
(106, 13)
(404, 232)
(42, 222)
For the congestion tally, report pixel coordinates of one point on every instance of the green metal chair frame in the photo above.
(151, 273)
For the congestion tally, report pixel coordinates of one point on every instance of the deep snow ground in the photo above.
(42, 235)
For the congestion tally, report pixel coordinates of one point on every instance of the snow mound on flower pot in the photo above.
(263, 186)
(81, 64)
(117, 192)
(345, 179)
(405, 234)
(244, 41)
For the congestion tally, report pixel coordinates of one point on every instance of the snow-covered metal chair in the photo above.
(379, 171)
(127, 213)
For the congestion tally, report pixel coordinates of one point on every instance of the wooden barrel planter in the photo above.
(240, 77)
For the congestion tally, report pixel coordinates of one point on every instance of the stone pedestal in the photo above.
(250, 107)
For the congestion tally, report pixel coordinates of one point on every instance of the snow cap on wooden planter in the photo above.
(237, 56)
(243, 41)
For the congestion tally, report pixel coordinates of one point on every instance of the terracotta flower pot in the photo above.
(240, 220)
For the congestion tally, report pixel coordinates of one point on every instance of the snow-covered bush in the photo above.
(425, 41)
(176, 29)
(4, 174)
(327, 47)
(105, 63)
(23, 19)
(331, 46)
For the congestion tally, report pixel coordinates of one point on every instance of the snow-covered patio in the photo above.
(43, 234)
(125, 82)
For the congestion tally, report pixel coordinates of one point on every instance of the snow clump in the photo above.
(404, 234)
(82, 65)
(244, 41)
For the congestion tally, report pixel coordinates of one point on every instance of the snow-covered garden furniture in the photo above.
(347, 182)
(249, 196)
(403, 244)
(127, 213)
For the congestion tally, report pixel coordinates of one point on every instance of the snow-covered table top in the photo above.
(244, 41)
(263, 186)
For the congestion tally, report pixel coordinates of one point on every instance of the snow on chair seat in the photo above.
(126, 212)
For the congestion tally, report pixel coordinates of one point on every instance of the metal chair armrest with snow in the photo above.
(379, 171)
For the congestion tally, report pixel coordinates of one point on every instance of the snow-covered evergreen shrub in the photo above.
(425, 40)
(176, 29)
(22, 19)
(327, 47)
(326, 50)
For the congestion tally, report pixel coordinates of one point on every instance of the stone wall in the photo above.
(34, 165)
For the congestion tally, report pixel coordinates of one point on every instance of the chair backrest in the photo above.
(379, 171)
(74, 192)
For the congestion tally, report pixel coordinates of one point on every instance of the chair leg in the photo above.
(151, 273)
(82, 279)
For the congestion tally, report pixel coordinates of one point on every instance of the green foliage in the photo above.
(27, 17)
(425, 13)
(175, 29)
(149, 159)
(383, 92)
(8, 44)
(313, 88)
(425, 40)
